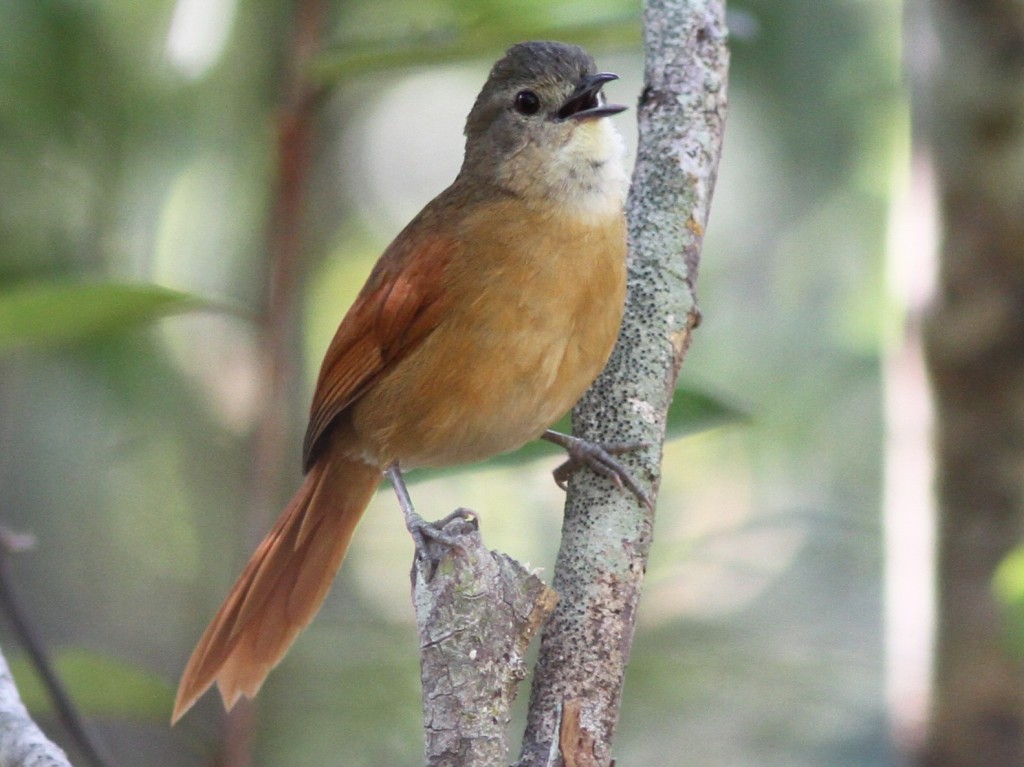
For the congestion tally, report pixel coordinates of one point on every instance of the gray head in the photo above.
(537, 97)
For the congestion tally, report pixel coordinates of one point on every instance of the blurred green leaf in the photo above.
(48, 313)
(693, 410)
(1008, 586)
(446, 45)
(98, 685)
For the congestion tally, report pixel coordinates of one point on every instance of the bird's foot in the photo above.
(599, 458)
(423, 531)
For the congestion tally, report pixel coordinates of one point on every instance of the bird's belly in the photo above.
(473, 391)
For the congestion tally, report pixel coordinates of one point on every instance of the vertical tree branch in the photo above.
(295, 134)
(606, 534)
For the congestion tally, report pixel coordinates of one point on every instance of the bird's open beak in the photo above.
(584, 103)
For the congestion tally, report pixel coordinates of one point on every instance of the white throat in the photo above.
(588, 172)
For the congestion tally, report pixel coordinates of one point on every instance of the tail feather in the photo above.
(282, 586)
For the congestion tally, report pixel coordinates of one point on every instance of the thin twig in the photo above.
(70, 717)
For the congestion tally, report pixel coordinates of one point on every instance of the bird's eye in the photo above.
(527, 103)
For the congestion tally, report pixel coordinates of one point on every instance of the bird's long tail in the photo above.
(283, 585)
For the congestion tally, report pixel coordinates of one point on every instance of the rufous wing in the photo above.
(402, 302)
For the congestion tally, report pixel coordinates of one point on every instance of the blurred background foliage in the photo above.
(138, 149)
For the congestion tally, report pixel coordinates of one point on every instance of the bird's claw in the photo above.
(599, 458)
(418, 527)
(421, 530)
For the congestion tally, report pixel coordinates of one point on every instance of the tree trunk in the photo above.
(972, 113)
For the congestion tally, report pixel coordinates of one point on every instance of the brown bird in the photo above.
(481, 325)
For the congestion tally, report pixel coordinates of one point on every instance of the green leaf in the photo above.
(693, 410)
(98, 686)
(1008, 586)
(51, 313)
(354, 57)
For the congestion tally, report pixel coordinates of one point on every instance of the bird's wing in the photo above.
(401, 303)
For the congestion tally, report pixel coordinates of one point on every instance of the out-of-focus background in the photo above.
(170, 142)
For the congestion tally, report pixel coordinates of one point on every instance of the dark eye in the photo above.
(527, 103)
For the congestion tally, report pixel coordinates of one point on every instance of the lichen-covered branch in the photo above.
(606, 535)
(21, 741)
(476, 611)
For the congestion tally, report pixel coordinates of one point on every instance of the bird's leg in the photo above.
(599, 458)
(417, 526)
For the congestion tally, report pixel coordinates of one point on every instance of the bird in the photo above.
(481, 324)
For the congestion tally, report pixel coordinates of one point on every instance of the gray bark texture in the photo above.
(971, 112)
(476, 611)
(606, 534)
(22, 743)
